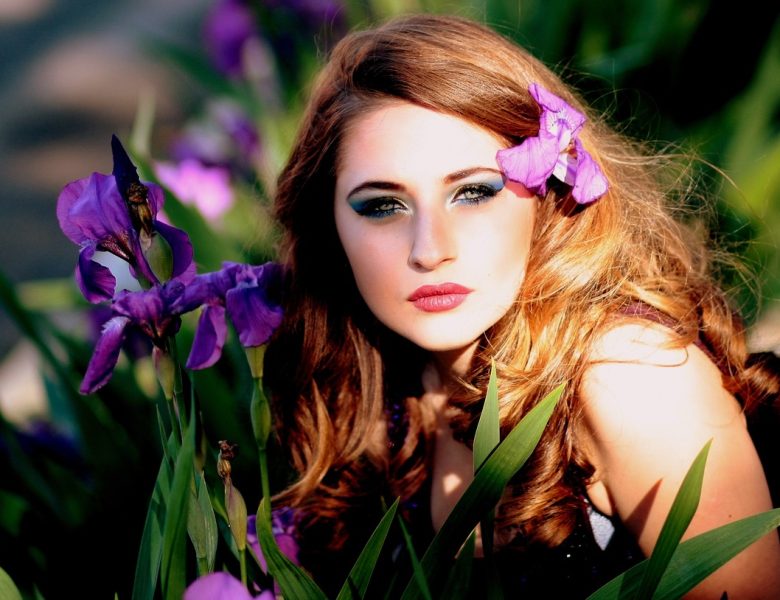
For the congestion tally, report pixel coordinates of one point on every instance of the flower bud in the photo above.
(166, 371)
(159, 256)
(255, 356)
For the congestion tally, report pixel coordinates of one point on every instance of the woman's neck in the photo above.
(455, 363)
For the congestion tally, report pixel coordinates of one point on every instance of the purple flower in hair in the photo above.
(247, 293)
(152, 311)
(555, 151)
(118, 214)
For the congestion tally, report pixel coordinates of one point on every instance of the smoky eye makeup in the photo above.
(479, 191)
(377, 207)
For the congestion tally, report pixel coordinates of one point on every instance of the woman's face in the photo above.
(437, 241)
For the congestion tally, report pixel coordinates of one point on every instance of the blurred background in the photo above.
(209, 91)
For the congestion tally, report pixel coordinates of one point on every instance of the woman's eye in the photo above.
(377, 208)
(476, 193)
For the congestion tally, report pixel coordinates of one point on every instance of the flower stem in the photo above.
(242, 561)
(261, 425)
(203, 565)
(178, 387)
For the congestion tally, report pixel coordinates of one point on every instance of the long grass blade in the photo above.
(680, 514)
(694, 559)
(292, 580)
(359, 577)
(459, 581)
(147, 567)
(8, 589)
(417, 571)
(484, 492)
(486, 438)
(173, 574)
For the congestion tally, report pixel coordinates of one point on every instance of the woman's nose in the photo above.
(433, 243)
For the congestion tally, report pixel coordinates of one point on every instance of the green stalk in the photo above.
(261, 425)
(242, 561)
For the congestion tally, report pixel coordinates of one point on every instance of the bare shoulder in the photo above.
(637, 378)
(648, 408)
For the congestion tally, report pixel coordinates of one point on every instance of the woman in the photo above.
(420, 243)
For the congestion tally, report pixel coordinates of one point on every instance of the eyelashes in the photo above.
(385, 206)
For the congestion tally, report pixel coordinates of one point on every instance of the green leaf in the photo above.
(487, 435)
(680, 514)
(694, 559)
(8, 589)
(417, 572)
(360, 575)
(293, 581)
(174, 542)
(486, 438)
(485, 491)
(459, 581)
(148, 565)
(202, 524)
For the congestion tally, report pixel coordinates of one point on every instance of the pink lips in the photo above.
(438, 298)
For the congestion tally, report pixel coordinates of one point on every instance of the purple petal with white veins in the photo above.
(590, 182)
(253, 316)
(217, 586)
(94, 280)
(530, 163)
(181, 248)
(106, 353)
(209, 338)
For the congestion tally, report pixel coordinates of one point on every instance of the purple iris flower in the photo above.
(221, 586)
(208, 188)
(152, 311)
(229, 25)
(555, 151)
(249, 295)
(283, 528)
(118, 214)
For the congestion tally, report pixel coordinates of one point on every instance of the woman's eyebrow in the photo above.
(376, 185)
(458, 175)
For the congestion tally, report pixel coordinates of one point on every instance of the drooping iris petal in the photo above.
(105, 356)
(590, 182)
(251, 307)
(217, 586)
(94, 280)
(209, 338)
(252, 317)
(531, 162)
(249, 293)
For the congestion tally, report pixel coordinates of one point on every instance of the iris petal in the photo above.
(209, 338)
(105, 356)
(590, 182)
(94, 280)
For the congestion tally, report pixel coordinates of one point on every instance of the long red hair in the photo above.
(334, 369)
